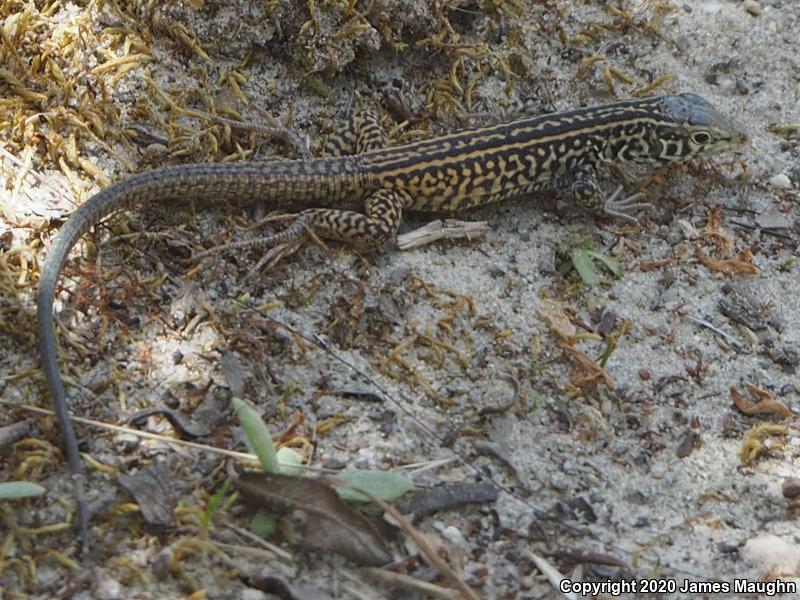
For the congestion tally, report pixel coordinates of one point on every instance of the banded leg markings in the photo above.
(362, 133)
(376, 226)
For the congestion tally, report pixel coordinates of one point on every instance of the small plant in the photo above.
(14, 490)
(582, 259)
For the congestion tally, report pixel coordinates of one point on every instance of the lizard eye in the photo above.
(701, 137)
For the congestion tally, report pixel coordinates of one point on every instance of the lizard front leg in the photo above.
(588, 195)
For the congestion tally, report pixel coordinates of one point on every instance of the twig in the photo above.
(419, 539)
(738, 346)
(449, 229)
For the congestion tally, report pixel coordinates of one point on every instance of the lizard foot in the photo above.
(621, 209)
(281, 245)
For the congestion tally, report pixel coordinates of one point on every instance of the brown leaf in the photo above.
(586, 372)
(765, 405)
(315, 516)
(717, 234)
(741, 265)
(153, 488)
(554, 315)
(654, 265)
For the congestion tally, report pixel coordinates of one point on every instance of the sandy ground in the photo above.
(645, 470)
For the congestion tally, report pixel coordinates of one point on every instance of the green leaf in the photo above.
(258, 437)
(13, 490)
(582, 262)
(264, 523)
(215, 502)
(612, 264)
(386, 485)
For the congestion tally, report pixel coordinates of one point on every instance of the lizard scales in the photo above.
(449, 173)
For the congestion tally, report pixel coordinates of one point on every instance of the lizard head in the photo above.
(690, 127)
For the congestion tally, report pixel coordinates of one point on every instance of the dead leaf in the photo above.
(425, 543)
(13, 433)
(314, 517)
(654, 265)
(741, 265)
(153, 488)
(554, 316)
(753, 446)
(587, 373)
(446, 496)
(765, 404)
(234, 374)
(721, 238)
(689, 441)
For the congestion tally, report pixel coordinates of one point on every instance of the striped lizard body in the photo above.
(449, 173)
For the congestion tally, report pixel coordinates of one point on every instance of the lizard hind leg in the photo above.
(372, 230)
(362, 133)
(370, 134)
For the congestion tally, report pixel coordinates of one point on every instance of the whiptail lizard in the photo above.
(453, 172)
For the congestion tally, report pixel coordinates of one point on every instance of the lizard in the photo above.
(448, 173)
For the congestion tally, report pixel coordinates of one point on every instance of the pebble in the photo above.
(688, 230)
(127, 442)
(773, 220)
(753, 7)
(253, 594)
(727, 547)
(769, 553)
(105, 586)
(454, 536)
(780, 181)
(791, 488)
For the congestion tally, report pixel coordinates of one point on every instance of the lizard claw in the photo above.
(621, 209)
(274, 255)
(281, 245)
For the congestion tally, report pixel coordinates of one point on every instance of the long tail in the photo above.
(321, 181)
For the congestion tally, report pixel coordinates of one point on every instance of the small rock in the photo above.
(780, 181)
(496, 271)
(773, 220)
(688, 230)
(727, 547)
(753, 7)
(791, 488)
(454, 536)
(105, 586)
(636, 497)
(641, 521)
(127, 442)
(252, 594)
(769, 554)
